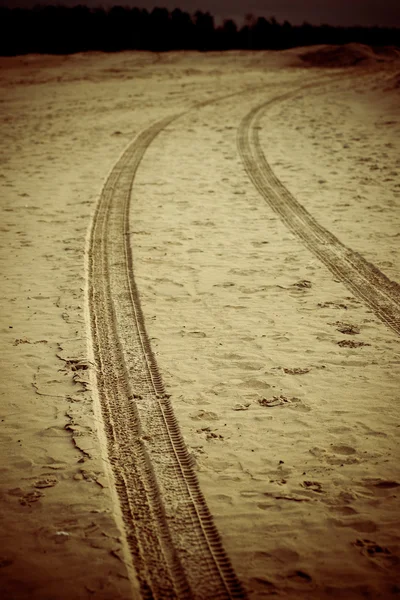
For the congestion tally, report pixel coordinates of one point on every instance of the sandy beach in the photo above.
(200, 325)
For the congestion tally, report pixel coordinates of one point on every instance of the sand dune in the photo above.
(348, 55)
(263, 229)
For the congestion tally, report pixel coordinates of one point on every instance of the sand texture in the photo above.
(200, 325)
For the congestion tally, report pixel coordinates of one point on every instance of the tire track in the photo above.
(176, 549)
(365, 280)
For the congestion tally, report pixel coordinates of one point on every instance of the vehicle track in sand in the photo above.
(364, 280)
(176, 549)
(174, 544)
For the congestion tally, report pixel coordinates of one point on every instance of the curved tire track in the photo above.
(364, 279)
(176, 549)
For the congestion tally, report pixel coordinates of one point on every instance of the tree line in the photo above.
(62, 30)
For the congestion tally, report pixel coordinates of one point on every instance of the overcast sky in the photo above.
(333, 12)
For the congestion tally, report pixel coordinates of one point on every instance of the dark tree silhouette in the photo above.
(204, 31)
(60, 30)
(182, 30)
(226, 37)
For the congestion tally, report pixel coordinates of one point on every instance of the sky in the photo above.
(333, 12)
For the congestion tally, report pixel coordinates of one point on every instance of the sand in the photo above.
(282, 374)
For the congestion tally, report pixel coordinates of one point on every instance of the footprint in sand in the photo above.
(240, 406)
(342, 455)
(351, 344)
(297, 371)
(332, 305)
(338, 455)
(373, 550)
(300, 577)
(251, 383)
(303, 284)
(46, 482)
(382, 487)
(347, 450)
(277, 401)
(346, 328)
(209, 434)
(26, 498)
(314, 486)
